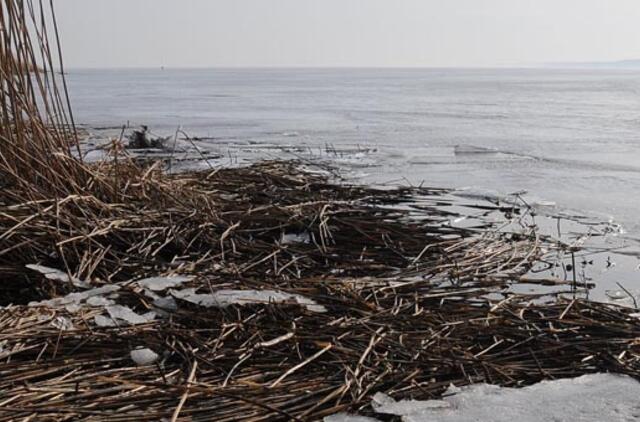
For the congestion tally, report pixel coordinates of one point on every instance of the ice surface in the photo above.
(98, 301)
(57, 275)
(72, 308)
(224, 298)
(616, 294)
(628, 298)
(472, 149)
(597, 397)
(166, 303)
(151, 294)
(120, 314)
(77, 298)
(158, 284)
(384, 404)
(344, 417)
(144, 356)
(103, 321)
(292, 238)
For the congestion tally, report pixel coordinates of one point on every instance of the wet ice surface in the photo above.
(597, 397)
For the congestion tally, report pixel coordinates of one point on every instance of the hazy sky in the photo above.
(190, 33)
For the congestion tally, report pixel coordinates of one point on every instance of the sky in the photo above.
(346, 33)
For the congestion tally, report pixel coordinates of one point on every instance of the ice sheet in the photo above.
(597, 397)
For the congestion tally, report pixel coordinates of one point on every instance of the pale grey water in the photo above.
(571, 137)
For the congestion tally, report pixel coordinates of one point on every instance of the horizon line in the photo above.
(549, 65)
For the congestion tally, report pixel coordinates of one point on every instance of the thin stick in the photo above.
(183, 399)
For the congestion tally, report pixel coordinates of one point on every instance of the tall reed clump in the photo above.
(47, 193)
(36, 122)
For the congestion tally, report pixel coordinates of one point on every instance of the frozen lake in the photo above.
(569, 137)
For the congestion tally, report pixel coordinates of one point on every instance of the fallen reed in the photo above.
(268, 362)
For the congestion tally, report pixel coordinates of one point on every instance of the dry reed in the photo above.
(412, 303)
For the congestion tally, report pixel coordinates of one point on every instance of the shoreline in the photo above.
(314, 298)
(613, 256)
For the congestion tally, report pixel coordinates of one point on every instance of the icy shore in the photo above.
(597, 397)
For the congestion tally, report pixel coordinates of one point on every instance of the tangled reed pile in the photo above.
(368, 290)
(268, 362)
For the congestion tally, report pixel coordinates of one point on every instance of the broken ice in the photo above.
(62, 323)
(224, 298)
(144, 356)
(77, 298)
(290, 238)
(158, 284)
(57, 275)
(120, 314)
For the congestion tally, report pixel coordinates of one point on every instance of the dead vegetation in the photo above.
(347, 290)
